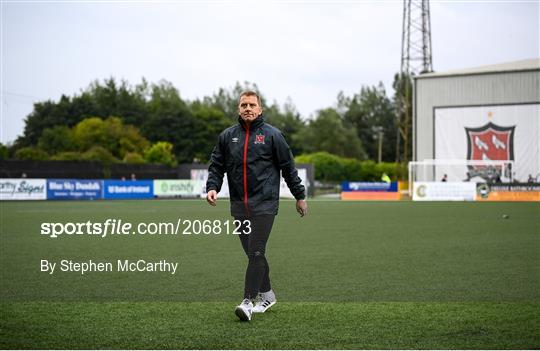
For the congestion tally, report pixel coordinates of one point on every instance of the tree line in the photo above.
(113, 121)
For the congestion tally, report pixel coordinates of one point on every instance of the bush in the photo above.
(31, 153)
(352, 168)
(369, 172)
(394, 170)
(133, 158)
(328, 167)
(332, 168)
(161, 152)
(99, 153)
(67, 156)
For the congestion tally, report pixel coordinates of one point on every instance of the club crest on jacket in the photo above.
(259, 139)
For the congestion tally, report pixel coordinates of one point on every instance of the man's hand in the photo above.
(211, 197)
(301, 207)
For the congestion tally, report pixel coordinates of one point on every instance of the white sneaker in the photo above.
(243, 311)
(265, 301)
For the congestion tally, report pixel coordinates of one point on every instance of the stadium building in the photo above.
(479, 114)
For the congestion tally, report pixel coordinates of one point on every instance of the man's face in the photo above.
(249, 108)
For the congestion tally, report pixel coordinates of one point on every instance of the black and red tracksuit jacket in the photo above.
(253, 158)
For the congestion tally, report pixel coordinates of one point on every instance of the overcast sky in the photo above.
(305, 50)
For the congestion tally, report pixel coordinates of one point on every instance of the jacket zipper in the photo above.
(245, 170)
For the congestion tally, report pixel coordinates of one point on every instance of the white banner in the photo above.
(444, 191)
(202, 176)
(23, 189)
(177, 188)
(284, 191)
(509, 132)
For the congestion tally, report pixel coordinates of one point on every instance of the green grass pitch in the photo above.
(351, 275)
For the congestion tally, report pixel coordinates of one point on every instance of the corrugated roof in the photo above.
(523, 65)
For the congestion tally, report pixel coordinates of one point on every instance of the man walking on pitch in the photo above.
(253, 153)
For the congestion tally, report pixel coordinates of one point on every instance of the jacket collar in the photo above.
(255, 124)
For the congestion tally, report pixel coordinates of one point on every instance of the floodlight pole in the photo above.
(416, 54)
(416, 58)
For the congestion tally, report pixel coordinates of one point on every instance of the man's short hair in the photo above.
(250, 93)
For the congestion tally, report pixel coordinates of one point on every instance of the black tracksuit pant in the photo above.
(254, 245)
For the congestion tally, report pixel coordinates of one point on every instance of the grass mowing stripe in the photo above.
(310, 325)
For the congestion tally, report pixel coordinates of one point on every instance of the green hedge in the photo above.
(332, 168)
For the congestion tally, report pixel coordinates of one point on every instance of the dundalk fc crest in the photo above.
(489, 142)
